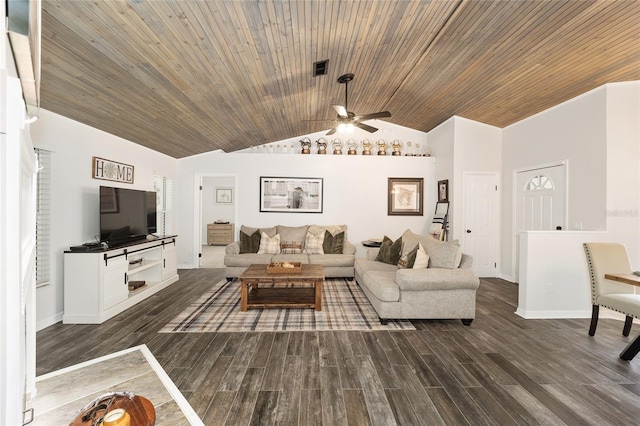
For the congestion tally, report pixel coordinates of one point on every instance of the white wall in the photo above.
(623, 166)
(573, 131)
(462, 145)
(212, 211)
(355, 193)
(74, 206)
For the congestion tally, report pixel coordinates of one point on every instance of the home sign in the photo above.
(111, 170)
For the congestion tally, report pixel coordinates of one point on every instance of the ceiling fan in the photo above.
(347, 120)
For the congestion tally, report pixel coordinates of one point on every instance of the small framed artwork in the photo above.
(443, 191)
(405, 197)
(224, 195)
(291, 195)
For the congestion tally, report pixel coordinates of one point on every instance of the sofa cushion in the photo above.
(293, 233)
(333, 244)
(269, 244)
(390, 251)
(382, 284)
(436, 279)
(249, 243)
(331, 259)
(284, 257)
(334, 229)
(249, 230)
(441, 254)
(313, 243)
(247, 259)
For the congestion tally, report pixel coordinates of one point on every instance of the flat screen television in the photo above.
(126, 214)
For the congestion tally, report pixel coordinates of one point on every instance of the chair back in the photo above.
(607, 258)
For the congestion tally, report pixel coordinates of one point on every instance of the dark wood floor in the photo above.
(501, 370)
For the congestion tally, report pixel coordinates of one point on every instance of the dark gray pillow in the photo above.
(333, 244)
(249, 243)
(390, 251)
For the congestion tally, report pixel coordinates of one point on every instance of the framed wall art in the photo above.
(291, 195)
(224, 195)
(405, 197)
(443, 191)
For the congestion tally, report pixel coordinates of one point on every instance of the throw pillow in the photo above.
(269, 245)
(249, 243)
(333, 244)
(407, 260)
(313, 243)
(390, 251)
(290, 247)
(422, 258)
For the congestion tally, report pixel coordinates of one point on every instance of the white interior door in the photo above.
(540, 203)
(481, 221)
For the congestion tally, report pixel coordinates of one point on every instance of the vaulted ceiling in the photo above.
(190, 76)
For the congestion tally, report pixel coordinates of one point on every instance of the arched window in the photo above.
(539, 183)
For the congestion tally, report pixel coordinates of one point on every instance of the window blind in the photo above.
(43, 218)
(164, 197)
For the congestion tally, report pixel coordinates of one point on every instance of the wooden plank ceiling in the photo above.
(191, 76)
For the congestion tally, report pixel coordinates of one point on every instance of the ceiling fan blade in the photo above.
(325, 119)
(366, 127)
(332, 131)
(381, 114)
(342, 111)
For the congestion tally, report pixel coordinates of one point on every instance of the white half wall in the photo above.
(75, 214)
(554, 282)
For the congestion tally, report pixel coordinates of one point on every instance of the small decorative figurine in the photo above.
(352, 145)
(397, 147)
(322, 146)
(382, 147)
(408, 152)
(306, 146)
(337, 146)
(366, 147)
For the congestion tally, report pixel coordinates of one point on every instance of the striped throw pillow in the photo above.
(291, 247)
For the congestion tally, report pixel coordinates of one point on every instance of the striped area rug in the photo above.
(344, 307)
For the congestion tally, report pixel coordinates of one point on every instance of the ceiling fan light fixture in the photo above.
(346, 128)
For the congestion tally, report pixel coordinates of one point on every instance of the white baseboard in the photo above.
(48, 322)
(552, 314)
(507, 278)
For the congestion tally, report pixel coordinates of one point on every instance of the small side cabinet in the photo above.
(219, 234)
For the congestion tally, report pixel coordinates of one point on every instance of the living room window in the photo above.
(43, 217)
(164, 197)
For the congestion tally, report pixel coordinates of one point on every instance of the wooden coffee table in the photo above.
(254, 296)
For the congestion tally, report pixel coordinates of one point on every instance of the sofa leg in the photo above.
(350, 278)
(467, 321)
(229, 279)
(384, 321)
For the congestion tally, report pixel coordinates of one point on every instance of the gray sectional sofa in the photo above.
(296, 244)
(446, 289)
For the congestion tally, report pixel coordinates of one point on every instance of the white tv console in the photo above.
(96, 282)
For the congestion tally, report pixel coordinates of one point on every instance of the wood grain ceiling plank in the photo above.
(229, 75)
